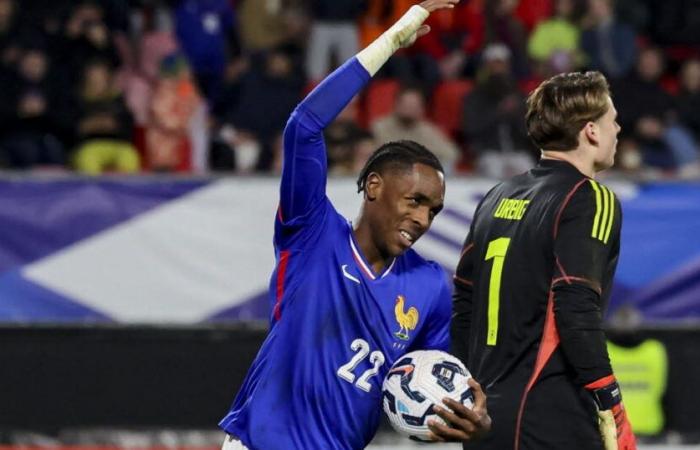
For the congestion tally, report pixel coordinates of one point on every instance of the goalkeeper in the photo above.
(534, 279)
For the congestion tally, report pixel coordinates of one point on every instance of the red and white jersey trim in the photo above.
(363, 265)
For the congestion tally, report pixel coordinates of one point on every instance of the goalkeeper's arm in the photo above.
(583, 268)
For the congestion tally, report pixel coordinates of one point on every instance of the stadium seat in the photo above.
(447, 104)
(379, 100)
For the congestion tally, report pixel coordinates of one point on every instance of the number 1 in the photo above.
(496, 251)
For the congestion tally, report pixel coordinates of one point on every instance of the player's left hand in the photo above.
(464, 424)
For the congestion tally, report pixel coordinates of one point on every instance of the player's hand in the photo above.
(464, 424)
(430, 6)
(434, 5)
(615, 428)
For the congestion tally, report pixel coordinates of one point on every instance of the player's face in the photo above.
(609, 129)
(406, 206)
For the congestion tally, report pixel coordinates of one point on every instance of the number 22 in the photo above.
(376, 358)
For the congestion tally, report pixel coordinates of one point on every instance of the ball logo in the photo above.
(407, 320)
(405, 371)
(445, 374)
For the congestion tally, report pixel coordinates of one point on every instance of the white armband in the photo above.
(401, 34)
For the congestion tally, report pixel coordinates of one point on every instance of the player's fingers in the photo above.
(476, 421)
(423, 30)
(434, 437)
(458, 408)
(443, 433)
(433, 5)
(479, 396)
(460, 417)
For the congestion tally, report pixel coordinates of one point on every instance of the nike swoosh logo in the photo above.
(347, 275)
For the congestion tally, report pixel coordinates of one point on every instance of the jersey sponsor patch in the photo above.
(604, 212)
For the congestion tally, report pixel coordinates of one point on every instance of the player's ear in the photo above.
(373, 186)
(590, 132)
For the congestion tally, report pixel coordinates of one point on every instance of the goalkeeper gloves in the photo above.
(615, 429)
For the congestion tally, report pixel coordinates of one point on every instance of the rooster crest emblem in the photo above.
(407, 320)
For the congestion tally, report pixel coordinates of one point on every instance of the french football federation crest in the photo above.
(407, 320)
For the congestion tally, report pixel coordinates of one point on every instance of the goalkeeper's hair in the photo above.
(562, 105)
(397, 156)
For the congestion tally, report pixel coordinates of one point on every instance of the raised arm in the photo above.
(305, 166)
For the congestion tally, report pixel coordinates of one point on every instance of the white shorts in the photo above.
(233, 443)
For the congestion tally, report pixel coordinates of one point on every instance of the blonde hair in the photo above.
(561, 106)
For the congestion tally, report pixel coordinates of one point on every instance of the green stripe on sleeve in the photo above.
(594, 231)
(612, 216)
(604, 215)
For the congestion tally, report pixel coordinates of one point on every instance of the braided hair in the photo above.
(397, 155)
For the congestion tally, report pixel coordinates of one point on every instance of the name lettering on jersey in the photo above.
(604, 212)
(407, 320)
(511, 209)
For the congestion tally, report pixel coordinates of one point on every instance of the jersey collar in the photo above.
(360, 260)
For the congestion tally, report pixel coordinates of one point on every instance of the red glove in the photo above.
(615, 429)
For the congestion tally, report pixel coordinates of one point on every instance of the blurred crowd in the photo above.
(127, 86)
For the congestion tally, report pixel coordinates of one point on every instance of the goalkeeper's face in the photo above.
(608, 129)
(402, 206)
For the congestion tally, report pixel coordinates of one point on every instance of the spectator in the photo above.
(689, 110)
(675, 22)
(375, 20)
(554, 44)
(634, 13)
(207, 33)
(268, 93)
(9, 51)
(609, 45)
(333, 32)
(493, 118)
(104, 124)
(689, 96)
(269, 24)
(408, 121)
(32, 114)
(342, 137)
(648, 118)
(641, 368)
(141, 70)
(87, 38)
(173, 106)
(502, 26)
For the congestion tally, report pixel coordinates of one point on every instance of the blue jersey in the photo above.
(336, 326)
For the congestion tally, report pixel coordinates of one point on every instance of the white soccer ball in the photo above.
(416, 382)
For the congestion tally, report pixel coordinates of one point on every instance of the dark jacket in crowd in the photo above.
(338, 10)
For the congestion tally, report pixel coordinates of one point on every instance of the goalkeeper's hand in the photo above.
(615, 429)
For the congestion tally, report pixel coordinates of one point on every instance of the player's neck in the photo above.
(370, 251)
(578, 158)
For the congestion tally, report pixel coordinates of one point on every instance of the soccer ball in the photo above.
(416, 382)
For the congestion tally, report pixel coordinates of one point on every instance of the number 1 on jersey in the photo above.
(496, 251)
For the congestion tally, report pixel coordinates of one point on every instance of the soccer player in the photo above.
(534, 279)
(349, 299)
